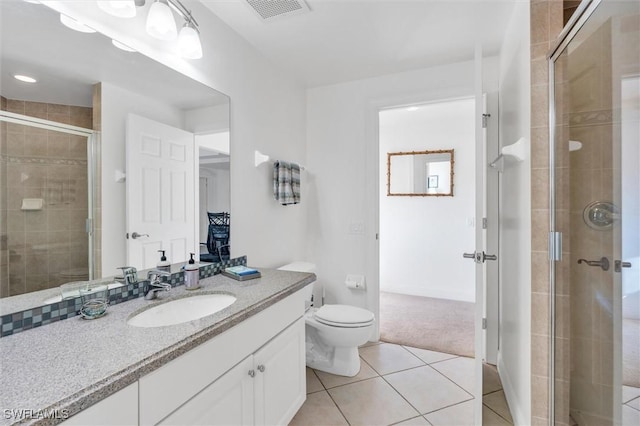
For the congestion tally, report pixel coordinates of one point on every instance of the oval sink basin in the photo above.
(182, 310)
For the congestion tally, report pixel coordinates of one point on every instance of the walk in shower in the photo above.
(45, 195)
(594, 117)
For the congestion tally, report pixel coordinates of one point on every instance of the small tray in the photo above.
(241, 277)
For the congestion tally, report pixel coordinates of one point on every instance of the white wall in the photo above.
(514, 358)
(267, 113)
(116, 104)
(343, 163)
(429, 231)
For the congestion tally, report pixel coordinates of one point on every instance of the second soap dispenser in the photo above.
(191, 274)
(164, 264)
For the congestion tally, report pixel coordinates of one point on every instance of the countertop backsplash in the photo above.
(26, 319)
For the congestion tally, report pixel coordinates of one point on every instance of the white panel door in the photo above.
(160, 192)
(280, 385)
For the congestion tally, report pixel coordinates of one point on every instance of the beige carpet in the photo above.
(427, 323)
(631, 353)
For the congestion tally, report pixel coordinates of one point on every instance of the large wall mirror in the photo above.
(420, 173)
(53, 180)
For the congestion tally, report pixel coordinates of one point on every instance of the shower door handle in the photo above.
(603, 263)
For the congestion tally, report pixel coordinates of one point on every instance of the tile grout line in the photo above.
(497, 414)
(451, 380)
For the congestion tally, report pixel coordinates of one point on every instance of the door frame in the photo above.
(372, 161)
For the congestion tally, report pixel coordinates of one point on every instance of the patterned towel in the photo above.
(286, 182)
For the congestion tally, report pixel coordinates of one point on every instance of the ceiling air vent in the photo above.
(269, 10)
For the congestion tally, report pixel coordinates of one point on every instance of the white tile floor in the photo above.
(631, 405)
(396, 385)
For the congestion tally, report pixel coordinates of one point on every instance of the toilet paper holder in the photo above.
(355, 282)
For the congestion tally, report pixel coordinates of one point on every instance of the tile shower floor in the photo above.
(402, 385)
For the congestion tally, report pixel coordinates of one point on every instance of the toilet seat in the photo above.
(344, 316)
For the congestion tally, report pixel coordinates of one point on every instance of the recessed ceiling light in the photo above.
(413, 108)
(122, 46)
(75, 25)
(25, 78)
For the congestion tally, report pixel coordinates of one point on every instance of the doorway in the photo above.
(427, 290)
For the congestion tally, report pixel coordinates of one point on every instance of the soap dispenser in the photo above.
(164, 264)
(191, 274)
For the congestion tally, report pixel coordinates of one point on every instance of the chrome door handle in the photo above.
(619, 264)
(136, 235)
(480, 257)
(602, 263)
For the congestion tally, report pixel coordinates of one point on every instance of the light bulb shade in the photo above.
(119, 8)
(160, 22)
(189, 43)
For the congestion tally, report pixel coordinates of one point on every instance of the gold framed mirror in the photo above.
(420, 173)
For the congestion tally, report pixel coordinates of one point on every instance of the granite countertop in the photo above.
(71, 364)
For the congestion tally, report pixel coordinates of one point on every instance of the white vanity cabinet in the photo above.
(253, 373)
(266, 388)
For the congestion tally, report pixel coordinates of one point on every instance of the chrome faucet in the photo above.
(153, 284)
(129, 274)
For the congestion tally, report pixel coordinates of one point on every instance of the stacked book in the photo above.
(241, 273)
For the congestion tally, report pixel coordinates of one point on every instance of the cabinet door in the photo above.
(280, 385)
(227, 401)
(121, 408)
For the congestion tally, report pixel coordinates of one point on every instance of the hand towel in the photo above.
(286, 182)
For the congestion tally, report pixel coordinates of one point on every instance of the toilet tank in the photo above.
(301, 266)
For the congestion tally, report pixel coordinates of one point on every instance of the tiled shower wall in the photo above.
(43, 247)
(546, 24)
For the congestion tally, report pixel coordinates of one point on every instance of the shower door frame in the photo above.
(91, 136)
(581, 16)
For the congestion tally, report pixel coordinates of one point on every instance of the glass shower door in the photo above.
(45, 201)
(596, 191)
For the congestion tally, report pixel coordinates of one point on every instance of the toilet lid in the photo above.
(344, 315)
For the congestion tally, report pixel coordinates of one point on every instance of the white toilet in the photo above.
(334, 332)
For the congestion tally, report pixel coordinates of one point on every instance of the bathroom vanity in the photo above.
(242, 365)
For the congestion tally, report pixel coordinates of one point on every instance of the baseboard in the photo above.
(519, 418)
(434, 293)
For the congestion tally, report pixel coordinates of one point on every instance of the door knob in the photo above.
(480, 257)
(136, 235)
(261, 368)
(619, 264)
(603, 263)
(252, 373)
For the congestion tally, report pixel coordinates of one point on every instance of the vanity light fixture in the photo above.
(161, 23)
(25, 78)
(75, 25)
(189, 41)
(119, 8)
